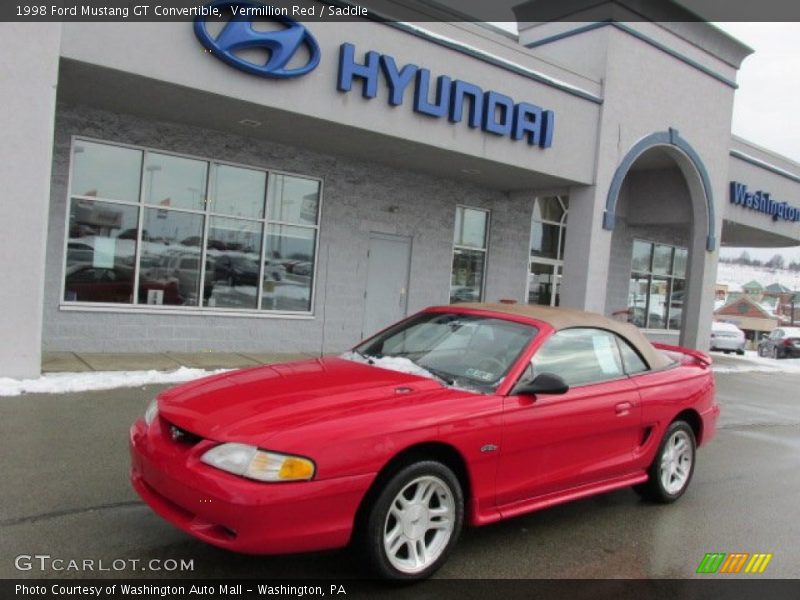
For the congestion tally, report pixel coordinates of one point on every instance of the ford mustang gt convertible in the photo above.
(458, 415)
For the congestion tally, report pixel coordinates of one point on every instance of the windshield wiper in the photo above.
(445, 377)
(365, 357)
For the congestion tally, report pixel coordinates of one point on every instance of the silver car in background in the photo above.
(727, 337)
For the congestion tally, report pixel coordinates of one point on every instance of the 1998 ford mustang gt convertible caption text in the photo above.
(459, 414)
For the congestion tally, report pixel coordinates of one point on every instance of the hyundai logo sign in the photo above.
(238, 34)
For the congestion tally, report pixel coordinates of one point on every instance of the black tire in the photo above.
(727, 351)
(654, 489)
(378, 520)
(775, 354)
(740, 352)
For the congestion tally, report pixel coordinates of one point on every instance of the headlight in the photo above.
(249, 461)
(151, 413)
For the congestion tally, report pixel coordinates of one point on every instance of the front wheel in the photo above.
(672, 469)
(415, 522)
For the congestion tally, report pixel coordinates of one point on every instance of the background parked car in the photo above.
(236, 270)
(783, 342)
(727, 337)
(85, 283)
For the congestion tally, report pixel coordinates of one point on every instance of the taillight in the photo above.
(788, 341)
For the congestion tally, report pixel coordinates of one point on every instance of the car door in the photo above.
(556, 442)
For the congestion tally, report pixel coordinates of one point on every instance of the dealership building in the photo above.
(276, 187)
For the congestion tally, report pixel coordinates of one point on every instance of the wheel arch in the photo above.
(692, 417)
(441, 452)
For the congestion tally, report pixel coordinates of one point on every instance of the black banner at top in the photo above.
(408, 10)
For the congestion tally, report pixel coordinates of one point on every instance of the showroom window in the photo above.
(657, 285)
(470, 247)
(151, 228)
(546, 262)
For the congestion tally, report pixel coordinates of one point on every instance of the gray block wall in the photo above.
(357, 197)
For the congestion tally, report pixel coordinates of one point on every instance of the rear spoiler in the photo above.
(701, 357)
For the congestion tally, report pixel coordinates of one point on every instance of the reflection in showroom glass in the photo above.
(188, 208)
(288, 268)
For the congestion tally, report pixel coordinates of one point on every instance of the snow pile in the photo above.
(393, 363)
(753, 363)
(62, 383)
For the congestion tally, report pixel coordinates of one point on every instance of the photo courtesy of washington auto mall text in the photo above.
(157, 590)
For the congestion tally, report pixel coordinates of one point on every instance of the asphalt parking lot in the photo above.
(65, 493)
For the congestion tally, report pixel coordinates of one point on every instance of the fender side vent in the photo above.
(646, 435)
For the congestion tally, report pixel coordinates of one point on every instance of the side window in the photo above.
(631, 360)
(580, 356)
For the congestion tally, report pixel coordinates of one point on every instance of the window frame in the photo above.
(557, 263)
(623, 343)
(135, 307)
(485, 249)
(650, 276)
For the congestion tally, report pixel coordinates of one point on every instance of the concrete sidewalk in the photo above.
(79, 362)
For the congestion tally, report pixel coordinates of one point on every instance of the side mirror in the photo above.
(544, 383)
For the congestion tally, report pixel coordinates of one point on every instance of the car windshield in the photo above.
(469, 351)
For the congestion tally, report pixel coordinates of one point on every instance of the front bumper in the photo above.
(235, 513)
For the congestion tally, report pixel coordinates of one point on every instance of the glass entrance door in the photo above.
(546, 262)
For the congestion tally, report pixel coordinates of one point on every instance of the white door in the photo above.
(386, 295)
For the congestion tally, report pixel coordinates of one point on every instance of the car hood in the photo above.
(251, 405)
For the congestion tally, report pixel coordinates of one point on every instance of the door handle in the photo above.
(623, 408)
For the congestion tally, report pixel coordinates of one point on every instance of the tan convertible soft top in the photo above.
(566, 318)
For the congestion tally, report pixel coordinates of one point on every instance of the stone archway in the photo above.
(661, 194)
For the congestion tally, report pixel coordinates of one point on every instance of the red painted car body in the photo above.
(352, 419)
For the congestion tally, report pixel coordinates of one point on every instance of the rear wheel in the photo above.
(414, 522)
(673, 466)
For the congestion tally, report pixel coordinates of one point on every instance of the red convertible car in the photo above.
(458, 415)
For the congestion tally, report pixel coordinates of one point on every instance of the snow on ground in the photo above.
(63, 383)
(738, 275)
(753, 363)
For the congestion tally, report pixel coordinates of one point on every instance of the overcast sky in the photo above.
(765, 109)
(766, 103)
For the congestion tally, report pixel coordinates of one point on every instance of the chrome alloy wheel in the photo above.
(676, 462)
(419, 524)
